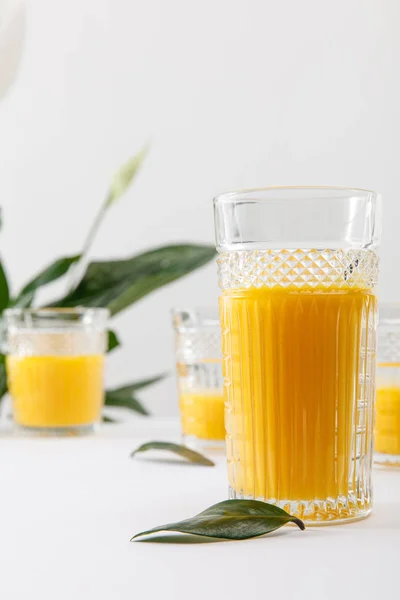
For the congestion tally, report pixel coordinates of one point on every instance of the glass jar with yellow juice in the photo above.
(55, 364)
(199, 377)
(298, 269)
(387, 421)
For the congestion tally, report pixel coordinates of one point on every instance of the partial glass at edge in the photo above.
(298, 269)
(387, 422)
(55, 360)
(199, 377)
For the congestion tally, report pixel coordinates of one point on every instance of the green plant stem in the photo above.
(119, 185)
(94, 228)
(77, 271)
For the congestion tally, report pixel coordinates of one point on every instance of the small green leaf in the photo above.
(124, 399)
(231, 520)
(54, 271)
(139, 385)
(113, 341)
(106, 419)
(124, 176)
(4, 291)
(187, 453)
(117, 284)
(3, 376)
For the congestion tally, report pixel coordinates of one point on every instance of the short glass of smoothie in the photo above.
(55, 363)
(199, 377)
(387, 422)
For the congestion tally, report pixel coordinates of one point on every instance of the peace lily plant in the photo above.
(117, 284)
(113, 284)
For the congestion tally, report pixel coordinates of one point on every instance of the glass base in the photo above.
(64, 431)
(344, 509)
(388, 460)
(200, 444)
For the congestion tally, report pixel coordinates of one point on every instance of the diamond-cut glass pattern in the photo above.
(200, 381)
(389, 343)
(198, 344)
(298, 268)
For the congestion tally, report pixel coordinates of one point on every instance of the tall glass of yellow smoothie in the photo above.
(387, 422)
(55, 360)
(298, 269)
(199, 377)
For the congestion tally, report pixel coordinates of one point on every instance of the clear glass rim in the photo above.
(293, 217)
(233, 195)
(63, 315)
(204, 316)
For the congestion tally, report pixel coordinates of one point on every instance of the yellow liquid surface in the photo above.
(292, 370)
(387, 424)
(202, 414)
(56, 391)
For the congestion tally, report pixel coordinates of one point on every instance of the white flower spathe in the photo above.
(12, 34)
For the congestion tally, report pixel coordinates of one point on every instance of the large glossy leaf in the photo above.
(231, 520)
(23, 300)
(187, 453)
(4, 291)
(117, 284)
(54, 271)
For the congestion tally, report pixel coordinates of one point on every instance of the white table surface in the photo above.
(69, 507)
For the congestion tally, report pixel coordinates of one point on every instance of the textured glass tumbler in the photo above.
(297, 269)
(387, 421)
(199, 377)
(55, 360)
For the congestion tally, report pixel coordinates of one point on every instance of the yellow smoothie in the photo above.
(202, 414)
(295, 387)
(387, 424)
(56, 391)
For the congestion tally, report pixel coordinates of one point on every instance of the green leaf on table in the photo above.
(4, 290)
(113, 341)
(124, 176)
(231, 520)
(54, 271)
(183, 451)
(117, 284)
